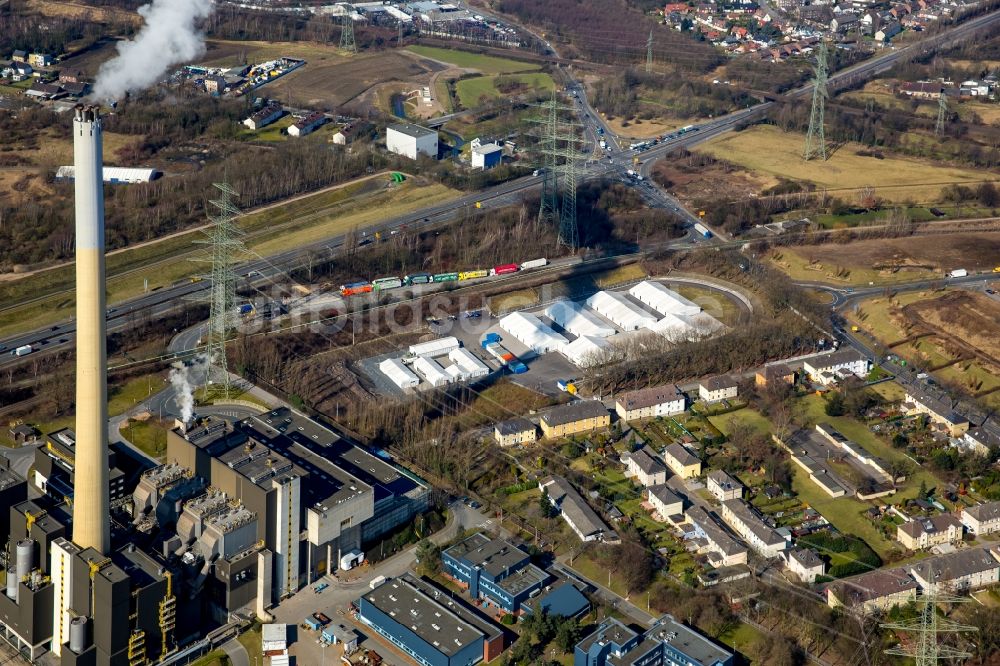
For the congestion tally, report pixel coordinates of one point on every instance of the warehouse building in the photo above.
(651, 402)
(663, 300)
(666, 642)
(532, 332)
(587, 351)
(486, 156)
(575, 318)
(115, 175)
(578, 416)
(411, 140)
(398, 373)
(428, 625)
(620, 311)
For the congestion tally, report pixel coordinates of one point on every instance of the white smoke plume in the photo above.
(167, 38)
(181, 379)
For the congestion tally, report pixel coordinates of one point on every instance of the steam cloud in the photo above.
(180, 379)
(167, 38)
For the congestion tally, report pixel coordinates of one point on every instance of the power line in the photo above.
(928, 627)
(942, 116)
(649, 53)
(816, 137)
(225, 239)
(347, 34)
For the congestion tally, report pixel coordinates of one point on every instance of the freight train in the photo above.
(393, 282)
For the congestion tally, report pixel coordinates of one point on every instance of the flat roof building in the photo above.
(666, 642)
(411, 140)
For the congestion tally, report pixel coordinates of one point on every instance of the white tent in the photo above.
(435, 347)
(586, 350)
(398, 373)
(470, 366)
(578, 320)
(532, 333)
(672, 327)
(663, 300)
(616, 308)
(432, 371)
(703, 325)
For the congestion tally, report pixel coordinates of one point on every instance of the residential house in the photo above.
(982, 519)
(71, 76)
(215, 85)
(721, 548)
(829, 368)
(19, 56)
(920, 533)
(40, 59)
(308, 125)
(723, 486)
(645, 467)
(39, 90)
(968, 569)
(928, 90)
(938, 411)
(776, 374)
(751, 527)
(76, 88)
(664, 502)
(715, 389)
(20, 71)
(665, 400)
(881, 590)
(682, 462)
(888, 31)
(515, 431)
(805, 564)
(666, 642)
(579, 515)
(978, 442)
(844, 22)
(578, 416)
(264, 116)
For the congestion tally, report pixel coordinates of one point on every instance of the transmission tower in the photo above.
(942, 116)
(399, 39)
(929, 628)
(347, 34)
(548, 210)
(816, 137)
(569, 234)
(225, 240)
(649, 53)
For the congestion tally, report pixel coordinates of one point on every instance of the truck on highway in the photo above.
(958, 272)
(534, 263)
(703, 230)
(23, 350)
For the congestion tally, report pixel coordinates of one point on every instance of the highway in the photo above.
(262, 271)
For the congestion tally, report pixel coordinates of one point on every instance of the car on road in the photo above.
(54, 328)
(474, 504)
(62, 341)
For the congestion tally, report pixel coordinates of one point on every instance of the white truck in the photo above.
(958, 272)
(23, 350)
(376, 581)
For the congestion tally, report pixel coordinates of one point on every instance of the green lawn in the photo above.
(484, 63)
(251, 641)
(150, 437)
(125, 397)
(271, 133)
(742, 637)
(470, 91)
(753, 418)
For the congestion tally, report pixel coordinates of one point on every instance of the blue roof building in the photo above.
(666, 642)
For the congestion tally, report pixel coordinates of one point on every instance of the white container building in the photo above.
(411, 140)
(586, 351)
(663, 300)
(438, 347)
(578, 320)
(398, 373)
(432, 371)
(623, 313)
(532, 332)
(470, 366)
(672, 327)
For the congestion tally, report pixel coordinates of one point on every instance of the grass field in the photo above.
(768, 150)
(726, 422)
(470, 91)
(620, 275)
(711, 301)
(310, 218)
(150, 437)
(484, 63)
(514, 300)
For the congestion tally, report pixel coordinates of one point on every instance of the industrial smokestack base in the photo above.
(91, 504)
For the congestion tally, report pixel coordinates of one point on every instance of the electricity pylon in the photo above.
(347, 34)
(942, 116)
(548, 210)
(816, 136)
(569, 233)
(928, 627)
(649, 53)
(399, 39)
(225, 240)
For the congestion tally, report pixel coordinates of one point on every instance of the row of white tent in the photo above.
(681, 319)
(464, 366)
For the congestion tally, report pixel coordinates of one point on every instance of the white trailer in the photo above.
(959, 272)
(534, 263)
(23, 350)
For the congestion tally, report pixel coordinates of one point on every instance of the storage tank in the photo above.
(25, 557)
(78, 634)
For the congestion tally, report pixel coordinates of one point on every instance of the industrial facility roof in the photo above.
(409, 129)
(468, 363)
(486, 148)
(431, 370)
(494, 556)
(435, 347)
(396, 370)
(662, 299)
(621, 311)
(530, 331)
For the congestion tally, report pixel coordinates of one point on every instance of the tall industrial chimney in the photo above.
(91, 505)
